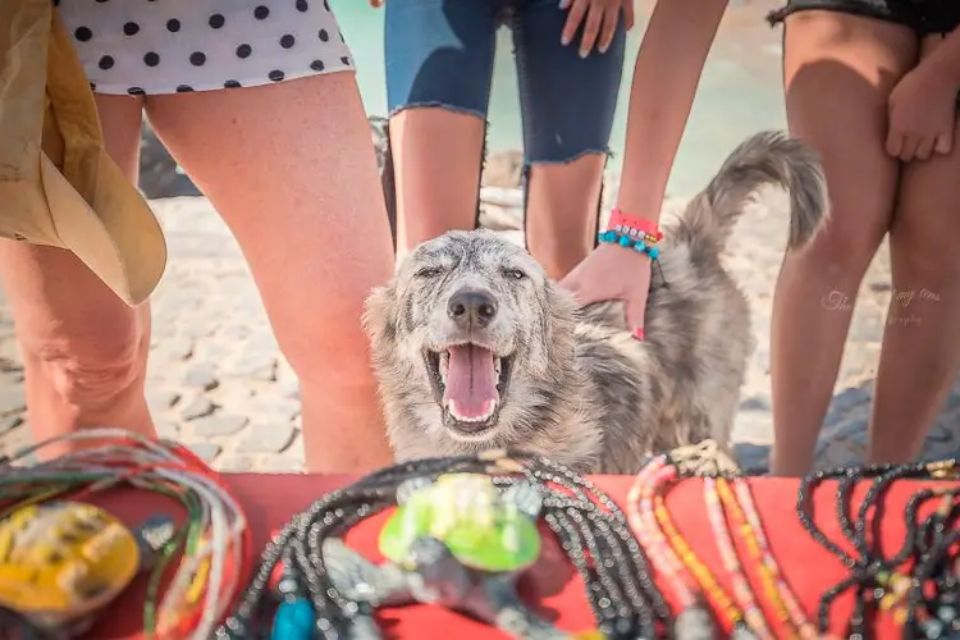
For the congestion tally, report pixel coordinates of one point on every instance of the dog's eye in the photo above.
(428, 272)
(515, 274)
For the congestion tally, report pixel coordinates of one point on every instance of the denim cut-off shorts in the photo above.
(439, 53)
(926, 17)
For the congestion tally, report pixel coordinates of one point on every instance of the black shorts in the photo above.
(924, 16)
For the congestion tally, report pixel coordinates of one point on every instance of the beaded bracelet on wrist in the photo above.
(646, 244)
(630, 232)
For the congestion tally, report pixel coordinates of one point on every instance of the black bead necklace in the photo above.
(870, 572)
(935, 613)
(591, 529)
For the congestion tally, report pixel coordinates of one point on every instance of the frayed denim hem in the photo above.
(436, 104)
(604, 151)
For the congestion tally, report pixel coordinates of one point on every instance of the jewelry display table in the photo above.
(552, 587)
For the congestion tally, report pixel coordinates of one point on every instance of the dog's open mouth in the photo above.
(469, 382)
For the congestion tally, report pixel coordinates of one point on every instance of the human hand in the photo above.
(922, 115)
(613, 273)
(601, 22)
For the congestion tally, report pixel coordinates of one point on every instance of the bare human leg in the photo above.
(291, 169)
(921, 351)
(562, 206)
(84, 350)
(855, 61)
(437, 156)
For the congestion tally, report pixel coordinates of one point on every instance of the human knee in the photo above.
(88, 372)
(844, 249)
(927, 256)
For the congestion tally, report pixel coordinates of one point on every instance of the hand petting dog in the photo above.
(600, 277)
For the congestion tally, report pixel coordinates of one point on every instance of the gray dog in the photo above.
(475, 348)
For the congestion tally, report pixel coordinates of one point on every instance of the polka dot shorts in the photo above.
(150, 47)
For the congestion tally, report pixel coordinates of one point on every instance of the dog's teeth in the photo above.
(452, 408)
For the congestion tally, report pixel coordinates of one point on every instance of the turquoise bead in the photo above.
(610, 236)
(625, 242)
(653, 252)
(294, 620)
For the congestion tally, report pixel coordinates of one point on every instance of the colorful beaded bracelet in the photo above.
(634, 233)
(640, 245)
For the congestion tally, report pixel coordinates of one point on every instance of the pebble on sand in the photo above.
(200, 406)
(208, 451)
(218, 425)
(201, 376)
(272, 438)
(12, 401)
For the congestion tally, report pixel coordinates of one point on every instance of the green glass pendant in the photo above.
(483, 528)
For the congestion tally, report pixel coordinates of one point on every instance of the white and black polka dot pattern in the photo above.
(150, 47)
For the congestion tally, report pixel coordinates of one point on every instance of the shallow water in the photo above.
(740, 92)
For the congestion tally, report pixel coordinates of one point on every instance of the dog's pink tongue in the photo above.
(471, 381)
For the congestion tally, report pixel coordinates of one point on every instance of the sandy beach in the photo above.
(218, 383)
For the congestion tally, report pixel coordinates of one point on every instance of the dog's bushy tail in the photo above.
(768, 157)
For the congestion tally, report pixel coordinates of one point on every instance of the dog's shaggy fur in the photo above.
(573, 384)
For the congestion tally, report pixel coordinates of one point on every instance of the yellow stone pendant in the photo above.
(60, 561)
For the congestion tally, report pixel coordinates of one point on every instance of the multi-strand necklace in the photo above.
(591, 529)
(745, 519)
(924, 598)
(690, 580)
(694, 586)
(213, 544)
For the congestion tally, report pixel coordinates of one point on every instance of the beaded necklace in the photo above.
(875, 577)
(742, 591)
(674, 558)
(935, 616)
(214, 542)
(747, 521)
(727, 495)
(592, 531)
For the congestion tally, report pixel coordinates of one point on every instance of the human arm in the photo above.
(665, 79)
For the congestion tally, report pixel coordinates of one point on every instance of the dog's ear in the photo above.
(380, 315)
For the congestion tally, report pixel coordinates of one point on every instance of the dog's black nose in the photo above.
(469, 306)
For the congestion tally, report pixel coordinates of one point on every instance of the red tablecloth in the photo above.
(551, 585)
